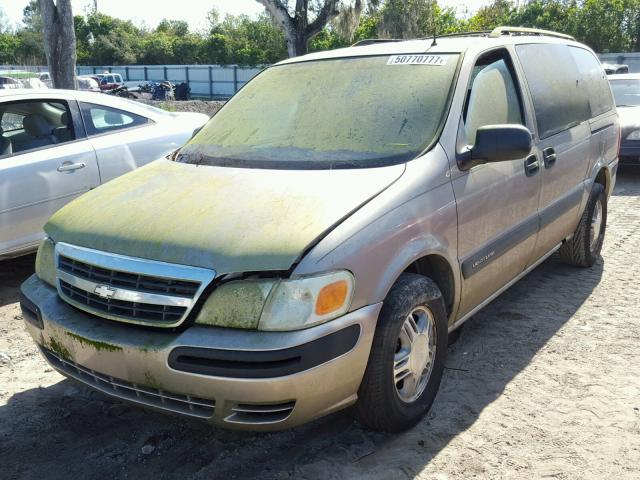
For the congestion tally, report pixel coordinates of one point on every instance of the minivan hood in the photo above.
(629, 116)
(226, 219)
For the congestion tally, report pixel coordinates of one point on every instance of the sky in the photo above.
(150, 12)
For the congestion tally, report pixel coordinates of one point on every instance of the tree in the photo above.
(59, 42)
(296, 24)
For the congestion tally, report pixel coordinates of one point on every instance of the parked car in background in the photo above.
(109, 81)
(88, 84)
(33, 82)
(313, 246)
(615, 68)
(57, 144)
(626, 90)
(45, 77)
(8, 83)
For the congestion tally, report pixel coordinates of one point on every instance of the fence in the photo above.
(212, 81)
(222, 81)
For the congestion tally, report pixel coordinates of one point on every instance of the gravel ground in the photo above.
(542, 383)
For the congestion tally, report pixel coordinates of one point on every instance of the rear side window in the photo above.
(101, 119)
(594, 80)
(559, 99)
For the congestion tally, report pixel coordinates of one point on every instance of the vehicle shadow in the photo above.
(12, 273)
(628, 181)
(65, 430)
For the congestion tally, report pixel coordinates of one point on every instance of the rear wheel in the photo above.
(583, 249)
(407, 356)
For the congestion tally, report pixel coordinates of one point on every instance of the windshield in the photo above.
(626, 92)
(343, 113)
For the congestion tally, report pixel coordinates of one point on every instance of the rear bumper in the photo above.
(233, 378)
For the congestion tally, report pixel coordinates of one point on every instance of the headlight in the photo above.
(45, 262)
(307, 301)
(237, 304)
(273, 304)
(635, 135)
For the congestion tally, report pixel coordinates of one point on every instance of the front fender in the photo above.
(384, 237)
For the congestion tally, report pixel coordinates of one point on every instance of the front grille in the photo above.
(132, 310)
(175, 402)
(143, 283)
(128, 289)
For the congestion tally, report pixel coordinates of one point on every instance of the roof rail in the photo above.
(499, 31)
(371, 41)
(478, 33)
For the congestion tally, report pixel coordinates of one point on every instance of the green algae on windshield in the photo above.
(358, 111)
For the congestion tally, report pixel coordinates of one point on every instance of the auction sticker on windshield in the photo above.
(417, 60)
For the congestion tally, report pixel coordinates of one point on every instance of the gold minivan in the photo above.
(316, 243)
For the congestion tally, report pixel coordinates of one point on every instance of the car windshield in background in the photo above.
(343, 113)
(626, 92)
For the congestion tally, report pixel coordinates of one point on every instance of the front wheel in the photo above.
(407, 356)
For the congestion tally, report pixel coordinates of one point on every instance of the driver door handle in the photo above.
(69, 166)
(531, 165)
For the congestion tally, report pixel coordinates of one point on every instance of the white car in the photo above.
(57, 144)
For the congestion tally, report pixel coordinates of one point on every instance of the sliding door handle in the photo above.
(549, 157)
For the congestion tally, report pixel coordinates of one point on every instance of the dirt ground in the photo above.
(543, 383)
(210, 107)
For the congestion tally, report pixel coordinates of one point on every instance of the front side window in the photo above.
(494, 97)
(335, 113)
(101, 119)
(626, 92)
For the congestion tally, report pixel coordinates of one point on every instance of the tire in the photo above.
(579, 250)
(390, 406)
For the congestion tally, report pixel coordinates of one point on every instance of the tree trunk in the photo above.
(59, 42)
(297, 29)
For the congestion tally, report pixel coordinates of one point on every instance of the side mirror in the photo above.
(498, 143)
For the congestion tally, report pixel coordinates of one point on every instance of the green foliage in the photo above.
(605, 25)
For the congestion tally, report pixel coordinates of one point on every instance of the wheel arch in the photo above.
(603, 177)
(437, 268)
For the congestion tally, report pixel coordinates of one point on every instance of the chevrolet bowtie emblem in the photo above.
(104, 291)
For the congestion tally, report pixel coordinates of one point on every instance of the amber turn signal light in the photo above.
(332, 297)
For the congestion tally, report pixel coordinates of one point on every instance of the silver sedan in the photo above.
(57, 144)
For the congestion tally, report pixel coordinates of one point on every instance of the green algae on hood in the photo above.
(226, 219)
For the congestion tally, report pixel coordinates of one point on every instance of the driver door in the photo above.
(497, 202)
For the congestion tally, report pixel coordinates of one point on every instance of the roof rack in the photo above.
(371, 41)
(478, 33)
(500, 31)
(495, 33)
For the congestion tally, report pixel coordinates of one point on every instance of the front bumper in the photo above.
(147, 366)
